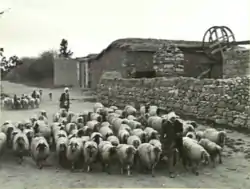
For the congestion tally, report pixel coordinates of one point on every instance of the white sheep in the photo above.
(56, 117)
(171, 116)
(191, 134)
(119, 112)
(123, 136)
(151, 133)
(97, 106)
(105, 124)
(129, 110)
(132, 118)
(116, 123)
(149, 156)
(85, 131)
(141, 134)
(126, 154)
(107, 154)
(70, 126)
(114, 140)
(134, 140)
(113, 107)
(39, 150)
(74, 150)
(187, 128)
(20, 144)
(43, 128)
(155, 122)
(29, 133)
(106, 132)
(59, 134)
(97, 137)
(8, 128)
(155, 142)
(93, 125)
(3, 140)
(96, 117)
(134, 124)
(219, 137)
(194, 153)
(90, 151)
(125, 127)
(212, 148)
(199, 135)
(61, 149)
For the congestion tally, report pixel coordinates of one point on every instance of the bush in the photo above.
(33, 69)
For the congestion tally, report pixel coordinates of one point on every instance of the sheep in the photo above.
(63, 112)
(149, 156)
(70, 126)
(112, 116)
(43, 113)
(106, 132)
(97, 105)
(95, 116)
(8, 128)
(3, 139)
(20, 144)
(59, 134)
(129, 110)
(39, 150)
(153, 110)
(25, 103)
(132, 118)
(63, 120)
(61, 148)
(74, 150)
(134, 124)
(37, 102)
(126, 154)
(194, 153)
(90, 151)
(171, 116)
(44, 129)
(123, 136)
(42, 118)
(114, 140)
(187, 128)
(119, 112)
(191, 134)
(199, 135)
(29, 133)
(85, 131)
(141, 134)
(107, 154)
(113, 108)
(155, 122)
(151, 133)
(117, 122)
(32, 102)
(56, 117)
(93, 125)
(212, 148)
(219, 137)
(125, 127)
(97, 137)
(155, 142)
(134, 140)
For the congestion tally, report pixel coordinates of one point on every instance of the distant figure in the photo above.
(15, 101)
(33, 95)
(64, 99)
(41, 92)
(50, 96)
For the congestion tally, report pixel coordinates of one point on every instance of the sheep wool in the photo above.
(149, 156)
(134, 140)
(126, 154)
(39, 150)
(90, 151)
(114, 140)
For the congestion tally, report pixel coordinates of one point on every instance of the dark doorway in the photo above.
(146, 74)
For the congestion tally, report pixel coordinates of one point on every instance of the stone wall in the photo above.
(237, 63)
(223, 102)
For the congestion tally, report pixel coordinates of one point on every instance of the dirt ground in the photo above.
(233, 173)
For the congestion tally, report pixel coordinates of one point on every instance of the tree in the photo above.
(64, 52)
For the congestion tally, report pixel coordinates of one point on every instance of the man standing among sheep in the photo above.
(64, 99)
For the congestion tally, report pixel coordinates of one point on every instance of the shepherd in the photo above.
(64, 99)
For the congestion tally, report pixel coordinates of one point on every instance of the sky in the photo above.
(33, 26)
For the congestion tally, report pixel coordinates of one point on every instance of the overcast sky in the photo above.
(32, 26)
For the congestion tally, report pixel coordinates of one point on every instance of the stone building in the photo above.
(135, 57)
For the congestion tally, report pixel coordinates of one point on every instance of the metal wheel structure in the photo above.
(219, 39)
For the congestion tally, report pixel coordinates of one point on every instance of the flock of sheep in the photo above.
(132, 138)
(23, 102)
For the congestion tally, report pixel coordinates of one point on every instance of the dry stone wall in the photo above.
(222, 101)
(237, 64)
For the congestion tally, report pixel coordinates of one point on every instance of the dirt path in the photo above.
(234, 173)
